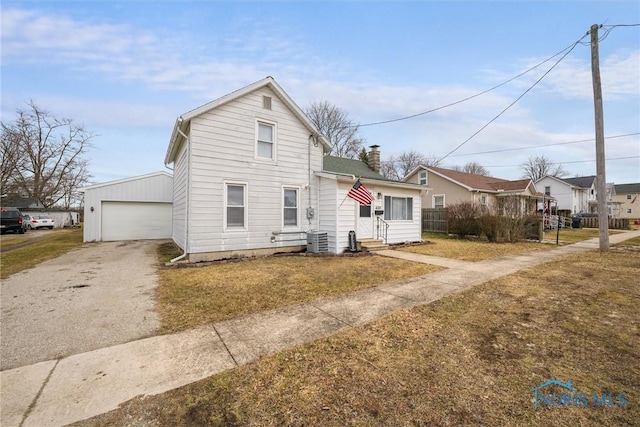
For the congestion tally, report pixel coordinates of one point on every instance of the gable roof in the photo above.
(123, 180)
(480, 182)
(182, 122)
(627, 188)
(580, 181)
(353, 167)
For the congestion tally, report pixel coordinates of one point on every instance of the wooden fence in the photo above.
(614, 223)
(434, 220)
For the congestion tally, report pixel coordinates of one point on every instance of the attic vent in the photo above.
(266, 102)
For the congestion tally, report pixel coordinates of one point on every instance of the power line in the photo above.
(467, 98)
(516, 100)
(543, 145)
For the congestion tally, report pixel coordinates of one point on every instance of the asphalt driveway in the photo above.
(97, 296)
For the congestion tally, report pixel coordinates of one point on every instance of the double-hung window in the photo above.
(423, 178)
(266, 140)
(398, 208)
(290, 207)
(235, 206)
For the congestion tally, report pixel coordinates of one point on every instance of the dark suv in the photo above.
(11, 219)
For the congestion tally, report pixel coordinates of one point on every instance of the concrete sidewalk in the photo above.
(59, 392)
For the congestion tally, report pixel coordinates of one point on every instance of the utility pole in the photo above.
(601, 180)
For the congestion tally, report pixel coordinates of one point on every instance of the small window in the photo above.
(365, 211)
(266, 141)
(547, 190)
(423, 178)
(628, 211)
(266, 102)
(236, 206)
(398, 208)
(290, 207)
(592, 191)
(628, 196)
(438, 201)
(483, 199)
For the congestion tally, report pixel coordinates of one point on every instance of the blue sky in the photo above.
(126, 70)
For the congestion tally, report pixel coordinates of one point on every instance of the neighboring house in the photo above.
(447, 187)
(628, 197)
(249, 180)
(23, 203)
(574, 195)
(132, 208)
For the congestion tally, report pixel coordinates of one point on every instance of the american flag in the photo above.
(360, 193)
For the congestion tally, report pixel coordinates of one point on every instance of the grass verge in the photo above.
(189, 297)
(469, 359)
(52, 245)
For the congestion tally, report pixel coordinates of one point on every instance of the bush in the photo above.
(462, 219)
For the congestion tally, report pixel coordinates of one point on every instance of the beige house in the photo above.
(447, 187)
(627, 197)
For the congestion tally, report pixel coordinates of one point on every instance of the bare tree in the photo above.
(473, 168)
(335, 125)
(537, 167)
(53, 166)
(398, 167)
(13, 159)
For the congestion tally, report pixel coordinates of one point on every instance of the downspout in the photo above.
(312, 140)
(188, 198)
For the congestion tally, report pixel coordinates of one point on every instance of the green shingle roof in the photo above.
(343, 166)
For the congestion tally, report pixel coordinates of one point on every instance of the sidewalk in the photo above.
(59, 392)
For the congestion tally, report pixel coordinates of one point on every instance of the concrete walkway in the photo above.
(59, 392)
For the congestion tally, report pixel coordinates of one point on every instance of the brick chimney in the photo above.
(374, 158)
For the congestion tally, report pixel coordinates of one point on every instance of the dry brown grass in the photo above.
(469, 359)
(189, 297)
(471, 250)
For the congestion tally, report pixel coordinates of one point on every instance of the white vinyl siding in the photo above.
(224, 151)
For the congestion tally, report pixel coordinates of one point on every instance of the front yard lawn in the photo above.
(189, 297)
(471, 358)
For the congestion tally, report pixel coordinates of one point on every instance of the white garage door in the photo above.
(135, 220)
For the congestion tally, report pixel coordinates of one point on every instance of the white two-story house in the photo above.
(575, 195)
(249, 180)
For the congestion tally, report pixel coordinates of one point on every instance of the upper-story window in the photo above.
(423, 178)
(547, 190)
(266, 141)
(628, 196)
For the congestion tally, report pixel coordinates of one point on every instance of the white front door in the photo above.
(365, 222)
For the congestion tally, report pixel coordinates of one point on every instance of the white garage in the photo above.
(129, 209)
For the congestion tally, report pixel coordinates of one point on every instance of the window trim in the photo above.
(388, 213)
(433, 201)
(628, 196)
(426, 178)
(245, 195)
(273, 142)
(282, 207)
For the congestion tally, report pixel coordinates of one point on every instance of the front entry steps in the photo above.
(371, 245)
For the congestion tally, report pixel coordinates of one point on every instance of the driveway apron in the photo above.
(93, 297)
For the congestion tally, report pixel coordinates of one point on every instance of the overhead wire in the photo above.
(467, 98)
(568, 162)
(516, 100)
(543, 145)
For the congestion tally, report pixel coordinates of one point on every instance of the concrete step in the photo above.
(370, 245)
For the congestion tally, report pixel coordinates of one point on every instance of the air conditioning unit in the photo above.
(317, 241)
